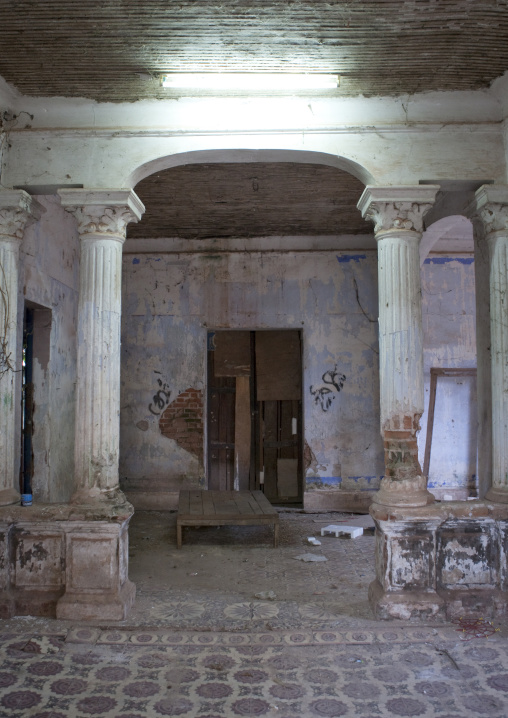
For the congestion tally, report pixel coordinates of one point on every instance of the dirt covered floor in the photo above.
(232, 577)
(229, 626)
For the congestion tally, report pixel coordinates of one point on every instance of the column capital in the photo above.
(106, 212)
(397, 208)
(490, 206)
(17, 209)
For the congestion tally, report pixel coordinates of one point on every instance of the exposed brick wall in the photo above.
(182, 421)
(401, 447)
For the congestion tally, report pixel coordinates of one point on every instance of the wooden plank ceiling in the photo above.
(111, 50)
(249, 200)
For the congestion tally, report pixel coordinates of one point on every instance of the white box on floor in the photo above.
(341, 529)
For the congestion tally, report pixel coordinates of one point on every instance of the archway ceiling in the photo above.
(249, 200)
(108, 49)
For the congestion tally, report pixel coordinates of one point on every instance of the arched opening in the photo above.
(242, 156)
(253, 244)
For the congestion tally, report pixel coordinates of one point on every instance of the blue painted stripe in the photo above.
(447, 260)
(135, 260)
(344, 258)
(324, 480)
(368, 479)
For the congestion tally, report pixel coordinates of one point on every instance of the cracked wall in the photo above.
(171, 301)
(49, 277)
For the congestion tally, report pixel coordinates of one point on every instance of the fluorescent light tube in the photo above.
(249, 81)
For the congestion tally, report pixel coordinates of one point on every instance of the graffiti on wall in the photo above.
(325, 393)
(160, 399)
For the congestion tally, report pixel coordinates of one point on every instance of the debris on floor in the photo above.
(472, 627)
(198, 643)
(313, 541)
(266, 595)
(310, 558)
(342, 530)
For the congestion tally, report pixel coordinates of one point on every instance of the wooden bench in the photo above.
(225, 508)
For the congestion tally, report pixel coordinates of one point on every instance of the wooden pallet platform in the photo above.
(225, 508)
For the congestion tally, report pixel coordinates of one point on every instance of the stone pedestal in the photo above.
(398, 216)
(17, 208)
(440, 561)
(102, 217)
(65, 561)
(97, 585)
(491, 208)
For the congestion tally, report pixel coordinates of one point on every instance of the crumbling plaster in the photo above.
(382, 141)
(171, 301)
(379, 140)
(449, 325)
(71, 141)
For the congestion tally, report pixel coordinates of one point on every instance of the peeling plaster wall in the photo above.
(49, 274)
(170, 301)
(387, 140)
(449, 316)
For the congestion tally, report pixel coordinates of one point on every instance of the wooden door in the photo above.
(255, 413)
(279, 396)
(280, 444)
(221, 429)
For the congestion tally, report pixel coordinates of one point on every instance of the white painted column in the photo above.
(17, 208)
(491, 207)
(397, 213)
(102, 217)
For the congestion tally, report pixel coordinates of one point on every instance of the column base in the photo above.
(89, 496)
(404, 605)
(20, 602)
(406, 493)
(7, 605)
(9, 497)
(76, 606)
(66, 561)
(496, 495)
(473, 603)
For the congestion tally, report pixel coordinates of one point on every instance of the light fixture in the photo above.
(249, 81)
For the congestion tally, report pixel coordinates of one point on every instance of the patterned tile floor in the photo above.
(209, 648)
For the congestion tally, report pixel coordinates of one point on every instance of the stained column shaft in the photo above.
(398, 216)
(102, 219)
(400, 327)
(491, 208)
(98, 395)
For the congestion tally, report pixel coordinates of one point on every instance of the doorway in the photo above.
(254, 413)
(35, 403)
(27, 407)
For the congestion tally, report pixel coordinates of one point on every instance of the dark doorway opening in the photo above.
(254, 413)
(35, 406)
(27, 407)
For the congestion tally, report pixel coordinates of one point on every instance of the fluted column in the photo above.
(102, 217)
(397, 213)
(17, 208)
(490, 207)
